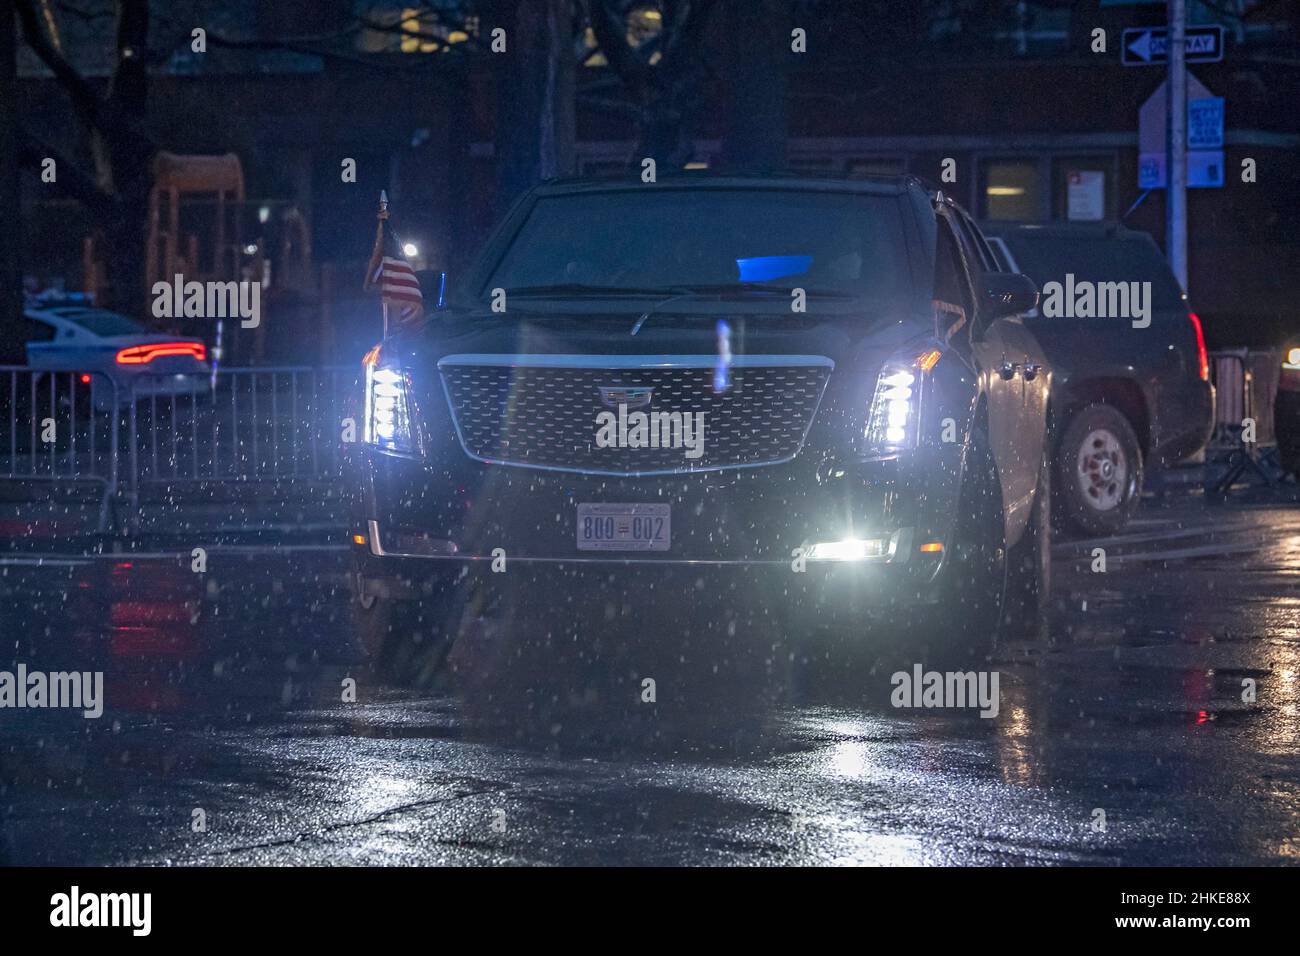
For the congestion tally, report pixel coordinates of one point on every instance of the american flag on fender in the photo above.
(391, 274)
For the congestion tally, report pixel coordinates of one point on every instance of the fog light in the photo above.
(850, 549)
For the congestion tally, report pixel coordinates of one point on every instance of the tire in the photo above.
(835, 663)
(1026, 609)
(1098, 471)
(407, 640)
(963, 628)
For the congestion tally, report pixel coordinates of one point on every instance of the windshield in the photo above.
(1050, 258)
(651, 240)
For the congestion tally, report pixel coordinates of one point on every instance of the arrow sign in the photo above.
(1140, 47)
(1149, 46)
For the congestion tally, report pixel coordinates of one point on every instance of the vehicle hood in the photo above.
(837, 337)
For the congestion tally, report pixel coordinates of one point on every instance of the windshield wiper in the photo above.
(723, 289)
(674, 292)
(750, 288)
(579, 288)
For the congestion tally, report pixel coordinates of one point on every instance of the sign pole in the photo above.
(1176, 193)
(11, 273)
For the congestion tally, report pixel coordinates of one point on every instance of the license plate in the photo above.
(619, 527)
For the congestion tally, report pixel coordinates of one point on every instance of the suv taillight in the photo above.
(1201, 354)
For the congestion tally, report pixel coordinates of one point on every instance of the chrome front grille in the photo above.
(540, 411)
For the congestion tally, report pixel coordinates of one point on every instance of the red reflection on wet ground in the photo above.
(138, 621)
(152, 611)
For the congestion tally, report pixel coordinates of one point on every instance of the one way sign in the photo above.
(1148, 46)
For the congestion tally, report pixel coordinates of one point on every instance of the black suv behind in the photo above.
(811, 391)
(1130, 373)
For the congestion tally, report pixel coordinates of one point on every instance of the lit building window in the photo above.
(594, 56)
(412, 30)
(643, 25)
(1012, 190)
(412, 25)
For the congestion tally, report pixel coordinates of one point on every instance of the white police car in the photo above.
(113, 354)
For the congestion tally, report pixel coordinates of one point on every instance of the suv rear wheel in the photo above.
(1098, 470)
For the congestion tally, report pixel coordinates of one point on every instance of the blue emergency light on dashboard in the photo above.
(722, 370)
(763, 268)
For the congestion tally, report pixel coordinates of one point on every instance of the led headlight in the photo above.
(893, 423)
(388, 408)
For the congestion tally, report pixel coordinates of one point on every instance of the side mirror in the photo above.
(1008, 293)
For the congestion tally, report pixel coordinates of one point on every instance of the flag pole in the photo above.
(392, 273)
(379, 244)
(377, 254)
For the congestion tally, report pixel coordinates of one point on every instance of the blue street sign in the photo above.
(1204, 169)
(1149, 46)
(1205, 123)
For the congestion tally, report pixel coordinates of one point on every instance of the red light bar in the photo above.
(140, 354)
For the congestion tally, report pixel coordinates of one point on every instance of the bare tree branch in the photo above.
(87, 16)
(103, 114)
(610, 26)
(84, 97)
(72, 179)
(471, 42)
(662, 90)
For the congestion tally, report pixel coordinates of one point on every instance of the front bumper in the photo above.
(414, 521)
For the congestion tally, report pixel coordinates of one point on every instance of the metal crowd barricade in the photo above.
(238, 425)
(1246, 385)
(61, 429)
(182, 435)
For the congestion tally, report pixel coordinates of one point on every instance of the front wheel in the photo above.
(1025, 612)
(406, 640)
(1098, 471)
(963, 628)
(960, 626)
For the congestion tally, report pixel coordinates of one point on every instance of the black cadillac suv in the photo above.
(817, 385)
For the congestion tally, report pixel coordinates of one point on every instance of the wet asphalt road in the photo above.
(224, 697)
